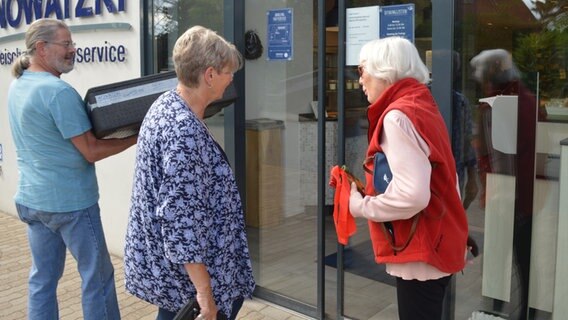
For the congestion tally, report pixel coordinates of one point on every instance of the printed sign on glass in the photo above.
(397, 20)
(280, 33)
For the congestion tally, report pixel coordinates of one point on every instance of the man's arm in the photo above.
(94, 149)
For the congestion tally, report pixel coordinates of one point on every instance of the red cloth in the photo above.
(344, 222)
(441, 233)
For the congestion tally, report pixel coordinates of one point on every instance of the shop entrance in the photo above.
(300, 111)
(315, 116)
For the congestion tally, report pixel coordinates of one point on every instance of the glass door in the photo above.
(365, 291)
(165, 21)
(281, 150)
(269, 134)
(513, 62)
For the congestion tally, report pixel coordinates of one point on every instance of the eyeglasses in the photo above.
(360, 69)
(64, 44)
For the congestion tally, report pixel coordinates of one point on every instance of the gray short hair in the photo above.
(392, 59)
(200, 48)
(39, 30)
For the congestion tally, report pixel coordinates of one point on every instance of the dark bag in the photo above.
(382, 176)
(381, 172)
(191, 309)
(253, 45)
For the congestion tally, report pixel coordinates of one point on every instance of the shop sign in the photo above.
(88, 54)
(12, 12)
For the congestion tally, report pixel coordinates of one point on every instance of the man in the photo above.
(57, 192)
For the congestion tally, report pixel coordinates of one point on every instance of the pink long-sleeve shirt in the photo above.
(408, 192)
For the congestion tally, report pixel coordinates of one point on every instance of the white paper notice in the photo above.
(504, 113)
(362, 27)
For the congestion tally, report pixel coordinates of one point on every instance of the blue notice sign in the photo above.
(280, 34)
(397, 20)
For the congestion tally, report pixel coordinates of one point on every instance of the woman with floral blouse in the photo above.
(186, 233)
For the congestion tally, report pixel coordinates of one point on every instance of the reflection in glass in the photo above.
(172, 17)
(516, 48)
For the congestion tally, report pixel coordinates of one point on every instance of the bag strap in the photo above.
(366, 162)
(352, 178)
(410, 235)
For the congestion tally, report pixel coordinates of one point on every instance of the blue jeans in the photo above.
(164, 314)
(50, 234)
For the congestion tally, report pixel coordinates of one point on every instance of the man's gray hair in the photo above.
(39, 30)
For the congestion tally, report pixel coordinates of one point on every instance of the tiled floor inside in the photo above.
(287, 255)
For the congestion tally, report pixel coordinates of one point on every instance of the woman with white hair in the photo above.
(417, 224)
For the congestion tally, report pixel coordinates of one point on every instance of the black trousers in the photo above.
(421, 300)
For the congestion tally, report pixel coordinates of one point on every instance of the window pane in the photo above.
(514, 53)
(173, 17)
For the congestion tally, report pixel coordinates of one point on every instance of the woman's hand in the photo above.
(355, 201)
(200, 278)
(207, 305)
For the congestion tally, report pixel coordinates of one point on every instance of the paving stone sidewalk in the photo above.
(14, 269)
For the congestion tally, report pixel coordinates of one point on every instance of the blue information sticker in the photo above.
(397, 20)
(280, 33)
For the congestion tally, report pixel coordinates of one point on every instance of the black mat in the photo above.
(359, 260)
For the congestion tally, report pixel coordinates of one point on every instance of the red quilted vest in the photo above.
(441, 233)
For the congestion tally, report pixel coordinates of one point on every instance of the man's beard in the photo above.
(63, 66)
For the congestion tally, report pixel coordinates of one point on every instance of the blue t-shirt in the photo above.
(185, 209)
(45, 112)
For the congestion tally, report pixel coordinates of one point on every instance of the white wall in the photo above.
(115, 173)
(282, 89)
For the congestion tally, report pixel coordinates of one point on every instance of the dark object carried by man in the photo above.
(116, 110)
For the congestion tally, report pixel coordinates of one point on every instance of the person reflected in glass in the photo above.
(496, 74)
(462, 141)
(186, 232)
(462, 145)
(418, 225)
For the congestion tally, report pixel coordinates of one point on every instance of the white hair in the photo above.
(489, 63)
(392, 59)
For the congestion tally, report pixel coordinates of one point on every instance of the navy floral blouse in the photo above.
(185, 209)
